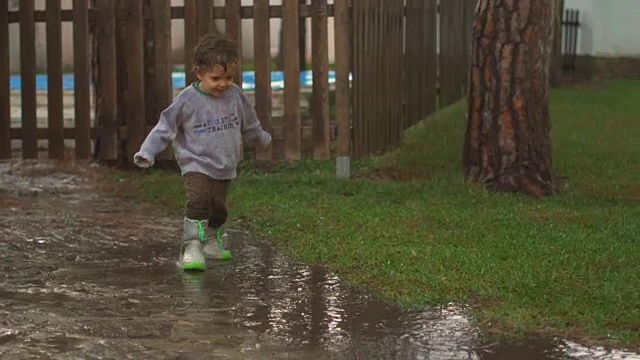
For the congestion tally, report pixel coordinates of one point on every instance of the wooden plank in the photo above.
(293, 142)
(385, 36)
(162, 88)
(122, 47)
(54, 79)
(177, 12)
(342, 30)
(278, 133)
(374, 76)
(302, 38)
(233, 29)
(107, 118)
(247, 12)
(443, 60)
(447, 53)
(359, 11)
(43, 133)
(363, 35)
(82, 76)
(204, 23)
(152, 108)
(374, 19)
(5, 94)
(358, 75)
(429, 82)
(40, 16)
(320, 64)
(460, 50)
(158, 77)
(426, 98)
(135, 99)
(262, 60)
(412, 78)
(28, 77)
(414, 65)
(468, 14)
(361, 38)
(377, 77)
(190, 38)
(396, 74)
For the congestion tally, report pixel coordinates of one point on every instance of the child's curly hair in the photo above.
(214, 50)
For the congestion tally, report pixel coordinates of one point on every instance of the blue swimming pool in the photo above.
(248, 80)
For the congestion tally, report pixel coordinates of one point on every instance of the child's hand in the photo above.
(142, 161)
(265, 139)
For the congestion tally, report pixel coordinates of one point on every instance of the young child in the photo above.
(205, 125)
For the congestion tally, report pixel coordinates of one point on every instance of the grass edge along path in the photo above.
(407, 227)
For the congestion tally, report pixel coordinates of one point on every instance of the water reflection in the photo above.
(310, 308)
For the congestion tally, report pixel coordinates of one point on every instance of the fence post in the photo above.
(262, 61)
(233, 29)
(292, 131)
(5, 93)
(82, 83)
(134, 101)
(358, 13)
(421, 60)
(451, 52)
(342, 23)
(158, 90)
(204, 23)
(320, 65)
(468, 16)
(28, 78)
(54, 79)
(107, 104)
(190, 38)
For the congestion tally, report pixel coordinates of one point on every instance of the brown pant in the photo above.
(206, 198)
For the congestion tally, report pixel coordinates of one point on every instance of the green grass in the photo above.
(566, 265)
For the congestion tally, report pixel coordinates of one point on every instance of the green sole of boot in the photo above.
(194, 266)
(226, 255)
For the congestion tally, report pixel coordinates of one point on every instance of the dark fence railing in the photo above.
(570, 27)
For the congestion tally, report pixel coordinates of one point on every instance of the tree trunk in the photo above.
(507, 145)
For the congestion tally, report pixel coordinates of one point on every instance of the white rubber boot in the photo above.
(214, 247)
(193, 237)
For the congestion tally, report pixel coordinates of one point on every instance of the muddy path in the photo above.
(89, 274)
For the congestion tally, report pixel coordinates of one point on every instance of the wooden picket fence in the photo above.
(29, 132)
(389, 72)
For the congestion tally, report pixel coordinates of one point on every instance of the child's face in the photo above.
(216, 81)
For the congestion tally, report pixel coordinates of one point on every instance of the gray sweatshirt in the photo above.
(205, 132)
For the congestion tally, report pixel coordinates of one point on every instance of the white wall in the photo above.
(608, 27)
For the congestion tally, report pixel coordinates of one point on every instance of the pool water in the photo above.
(179, 80)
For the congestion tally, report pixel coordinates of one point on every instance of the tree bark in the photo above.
(507, 145)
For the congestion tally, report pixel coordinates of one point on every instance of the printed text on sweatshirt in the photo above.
(205, 132)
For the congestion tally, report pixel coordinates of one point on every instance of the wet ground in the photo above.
(87, 274)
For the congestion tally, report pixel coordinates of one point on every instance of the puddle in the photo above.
(85, 275)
